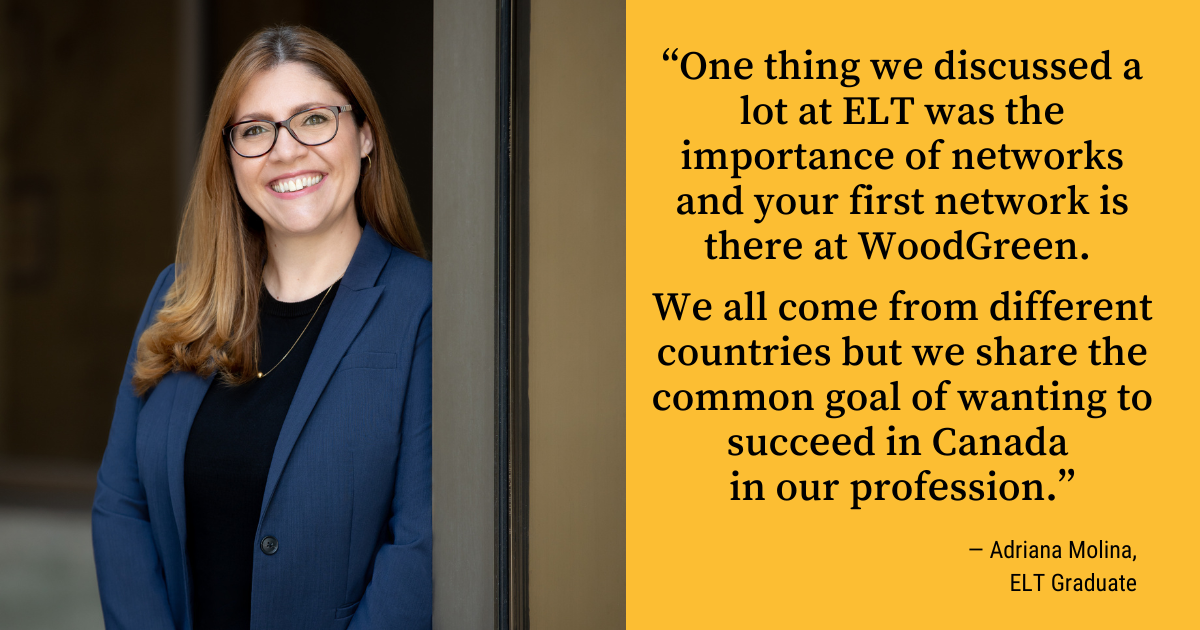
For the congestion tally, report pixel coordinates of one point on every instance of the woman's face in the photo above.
(299, 190)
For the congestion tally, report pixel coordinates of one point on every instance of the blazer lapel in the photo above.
(355, 299)
(189, 393)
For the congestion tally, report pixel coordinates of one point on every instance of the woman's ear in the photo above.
(366, 139)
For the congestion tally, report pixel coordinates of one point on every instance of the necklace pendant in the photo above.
(302, 331)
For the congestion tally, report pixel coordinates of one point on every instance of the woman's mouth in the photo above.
(297, 183)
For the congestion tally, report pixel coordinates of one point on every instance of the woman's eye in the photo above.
(316, 119)
(249, 131)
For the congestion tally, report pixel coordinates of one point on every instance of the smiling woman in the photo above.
(301, 181)
(268, 464)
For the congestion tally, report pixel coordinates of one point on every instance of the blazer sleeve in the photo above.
(133, 592)
(400, 593)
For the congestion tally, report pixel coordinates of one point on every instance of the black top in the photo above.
(228, 455)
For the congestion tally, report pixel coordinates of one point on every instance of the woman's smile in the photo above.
(294, 185)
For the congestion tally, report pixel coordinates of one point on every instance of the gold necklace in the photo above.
(310, 321)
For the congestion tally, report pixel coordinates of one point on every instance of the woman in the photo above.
(268, 464)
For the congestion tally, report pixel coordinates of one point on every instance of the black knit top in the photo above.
(228, 455)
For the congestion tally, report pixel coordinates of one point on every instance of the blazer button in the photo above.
(269, 545)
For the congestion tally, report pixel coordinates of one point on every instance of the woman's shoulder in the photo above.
(166, 277)
(158, 294)
(408, 273)
(405, 303)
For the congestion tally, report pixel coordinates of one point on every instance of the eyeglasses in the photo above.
(256, 138)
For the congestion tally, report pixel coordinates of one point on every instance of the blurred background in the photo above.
(102, 103)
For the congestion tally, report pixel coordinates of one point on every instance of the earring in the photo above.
(368, 161)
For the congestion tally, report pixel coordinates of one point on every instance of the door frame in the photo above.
(480, 321)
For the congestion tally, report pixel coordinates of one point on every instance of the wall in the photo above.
(577, 314)
(88, 209)
(4, 112)
(464, 376)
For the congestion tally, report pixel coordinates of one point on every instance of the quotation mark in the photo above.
(672, 57)
(1062, 474)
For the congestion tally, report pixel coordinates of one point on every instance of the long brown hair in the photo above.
(209, 321)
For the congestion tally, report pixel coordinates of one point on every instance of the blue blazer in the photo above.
(348, 491)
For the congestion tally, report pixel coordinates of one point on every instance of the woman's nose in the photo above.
(288, 148)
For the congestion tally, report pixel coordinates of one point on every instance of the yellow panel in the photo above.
(696, 558)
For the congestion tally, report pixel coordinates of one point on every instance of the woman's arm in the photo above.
(132, 591)
(400, 593)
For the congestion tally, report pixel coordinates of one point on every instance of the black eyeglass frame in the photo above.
(287, 124)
